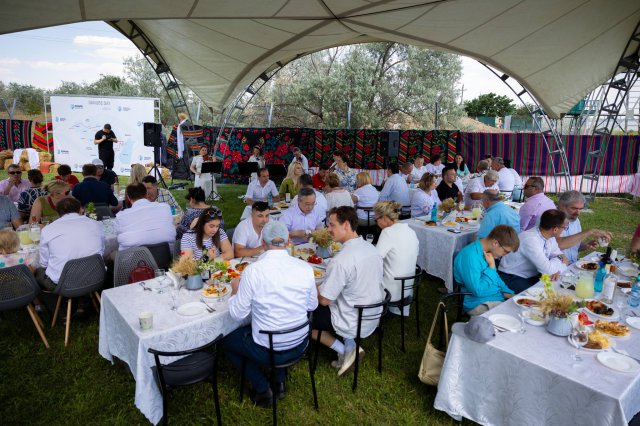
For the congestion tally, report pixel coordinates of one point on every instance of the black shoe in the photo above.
(262, 400)
(281, 390)
(80, 314)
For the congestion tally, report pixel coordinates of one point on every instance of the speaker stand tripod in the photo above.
(212, 167)
(155, 172)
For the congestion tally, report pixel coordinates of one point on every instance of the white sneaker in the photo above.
(349, 360)
(338, 362)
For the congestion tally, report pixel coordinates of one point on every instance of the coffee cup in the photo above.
(146, 321)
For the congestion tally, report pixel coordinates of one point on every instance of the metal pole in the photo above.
(270, 116)
(266, 115)
(348, 114)
(436, 121)
(198, 111)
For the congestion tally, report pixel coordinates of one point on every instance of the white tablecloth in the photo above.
(527, 379)
(438, 247)
(120, 334)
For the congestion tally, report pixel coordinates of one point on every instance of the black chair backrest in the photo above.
(81, 276)
(161, 253)
(373, 316)
(408, 283)
(102, 210)
(284, 344)
(18, 287)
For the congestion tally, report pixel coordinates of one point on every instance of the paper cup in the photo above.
(146, 321)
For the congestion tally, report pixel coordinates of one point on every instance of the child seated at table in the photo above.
(9, 246)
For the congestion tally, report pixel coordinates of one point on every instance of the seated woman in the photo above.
(207, 237)
(44, 208)
(461, 167)
(335, 195)
(426, 197)
(138, 172)
(196, 199)
(28, 197)
(65, 175)
(366, 195)
(291, 184)
(398, 247)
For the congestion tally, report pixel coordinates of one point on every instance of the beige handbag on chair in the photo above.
(433, 359)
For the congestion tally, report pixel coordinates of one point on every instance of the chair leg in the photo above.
(95, 304)
(66, 331)
(402, 328)
(216, 397)
(38, 318)
(38, 323)
(242, 380)
(355, 371)
(417, 313)
(55, 312)
(274, 396)
(317, 350)
(98, 298)
(380, 333)
(312, 377)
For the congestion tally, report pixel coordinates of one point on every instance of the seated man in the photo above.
(496, 213)
(145, 222)
(247, 239)
(536, 203)
(507, 180)
(14, 185)
(90, 190)
(72, 236)
(406, 172)
(105, 175)
(482, 167)
(259, 190)
(160, 195)
(448, 188)
(474, 268)
(475, 188)
(538, 254)
(9, 214)
(276, 292)
(302, 218)
(318, 178)
(354, 277)
(395, 188)
(306, 181)
(572, 240)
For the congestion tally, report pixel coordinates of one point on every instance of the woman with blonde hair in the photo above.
(138, 172)
(424, 199)
(365, 195)
(44, 208)
(291, 183)
(398, 247)
(336, 196)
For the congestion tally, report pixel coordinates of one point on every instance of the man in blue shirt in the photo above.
(395, 188)
(91, 190)
(474, 268)
(497, 213)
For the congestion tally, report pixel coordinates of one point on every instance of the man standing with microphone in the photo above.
(105, 139)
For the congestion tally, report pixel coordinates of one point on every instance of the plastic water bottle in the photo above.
(173, 210)
(270, 200)
(411, 185)
(434, 213)
(600, 274)
(634, 298)
(609, 286)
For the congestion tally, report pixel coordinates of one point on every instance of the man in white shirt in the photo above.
(301, 217)
(395, 188)
(418, 169)
(354, 277)
(258, 190)
(299, 156)
(538, 254)
(276, 292)
(145, 222)
(406, 172)
(306, 181)
(475, 188)
(507, 180)
(72, 236)
(572, 240)
(247, 239)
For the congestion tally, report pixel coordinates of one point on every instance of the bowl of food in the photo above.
(600, 310)
(598, 342)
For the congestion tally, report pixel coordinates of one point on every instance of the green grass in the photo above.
(75, 385)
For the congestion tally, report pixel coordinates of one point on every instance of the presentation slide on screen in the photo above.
(76, 119)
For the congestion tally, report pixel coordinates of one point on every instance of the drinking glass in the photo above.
(579, 337)
(34, 233)
(603, 241)
(173, 294)
(622, 254)
(523, 314)
(159, 274)
(370, 238)
(461, 205)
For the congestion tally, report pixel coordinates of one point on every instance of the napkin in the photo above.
(175, 278)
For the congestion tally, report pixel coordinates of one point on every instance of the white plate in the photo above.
(505, 321)
(578, 265)
(534, 293)
(618, 362)
(156, 284)
(611, 317)
(628, 270)
(634, 322)
(191, 309)
(520, 297)
(613, 343)
(227, 286)
(322, 271)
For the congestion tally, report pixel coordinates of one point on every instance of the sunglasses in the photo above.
(214, 213)
(15, 173)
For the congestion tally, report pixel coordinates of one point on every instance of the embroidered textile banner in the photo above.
(15, 135)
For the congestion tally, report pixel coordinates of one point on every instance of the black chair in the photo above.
(176, 250)
(405, 212)
(413, 286)
(452, 301)
(161, 253)
(229, 233)
(198, 365)
(102, 210)
(273, 350)
(80, 277)
(18, 288)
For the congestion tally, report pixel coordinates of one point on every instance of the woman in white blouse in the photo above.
(336, 196)
(366, 195)
(398, 247)
(206, 181)
(425, 197)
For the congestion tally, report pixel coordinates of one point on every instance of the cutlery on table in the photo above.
(209, 308)
(500, 329)
(623, 352)
(144, 286)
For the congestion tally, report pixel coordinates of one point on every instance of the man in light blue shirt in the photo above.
(395, 188)
(497, 213)
(474, 268)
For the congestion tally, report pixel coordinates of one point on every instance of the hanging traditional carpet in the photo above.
(15, 134)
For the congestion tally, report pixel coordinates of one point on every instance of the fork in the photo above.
(144, 286)
(209, 308)
(623, 352)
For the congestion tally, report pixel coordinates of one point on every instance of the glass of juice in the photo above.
(584, 285)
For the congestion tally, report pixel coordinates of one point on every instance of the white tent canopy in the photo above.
(558, 50)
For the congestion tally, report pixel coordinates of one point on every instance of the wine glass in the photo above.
(579, 337)
(622, 254)
(173, 294)
(523, 314)
(159, 274)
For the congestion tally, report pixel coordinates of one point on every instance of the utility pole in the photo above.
(348, 114)
(436, 120)
(462, 95)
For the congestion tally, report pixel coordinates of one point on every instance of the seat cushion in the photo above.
(188, 370)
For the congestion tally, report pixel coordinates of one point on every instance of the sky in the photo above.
(81, 52)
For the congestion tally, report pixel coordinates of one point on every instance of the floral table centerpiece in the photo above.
(559, 308)
(322, 238)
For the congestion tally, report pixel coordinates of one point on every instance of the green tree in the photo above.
(489, 105)
(29, 99)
